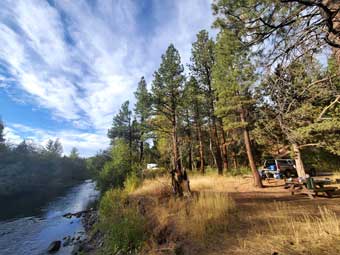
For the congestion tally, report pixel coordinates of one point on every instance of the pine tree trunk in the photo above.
(141, 148)
(141, 144)
(257, 179)
(130, 142)
(216, 144)
(298, 161)
(189, 142)
(224, 148)
(199, 137)
(180, 180)
(234, 156)
(190, 156)
(176, 159)
(214, 136)
(212, 151)
(201, 149)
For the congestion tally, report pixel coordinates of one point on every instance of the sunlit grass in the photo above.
(287, 229)
(205, 215)
(292, 227)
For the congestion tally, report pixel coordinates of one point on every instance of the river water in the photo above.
(32, 235)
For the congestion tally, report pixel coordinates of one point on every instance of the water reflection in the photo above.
(32, 235)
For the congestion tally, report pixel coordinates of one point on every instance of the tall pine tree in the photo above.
(143, 113)
(167, 89)
(233, 75)
(194, 100)
(202, 63)
(2, 136)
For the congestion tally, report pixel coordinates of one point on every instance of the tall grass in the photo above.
(132, 182)
(205, 215)
(288, 229)
(198, 218)
(122, 224)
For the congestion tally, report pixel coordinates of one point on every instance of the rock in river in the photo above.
(54, 246)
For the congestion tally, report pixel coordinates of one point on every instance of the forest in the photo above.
(239, 103)
(265, 87)
(29, 169)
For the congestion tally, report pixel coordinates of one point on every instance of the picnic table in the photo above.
(311, 187)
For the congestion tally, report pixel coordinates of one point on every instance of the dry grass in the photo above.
(212, 182)
(287, 229)
(153, 187)
(195, 219)
(200, 217)
(227, 215)
(217, 183)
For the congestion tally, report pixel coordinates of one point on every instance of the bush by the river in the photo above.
(122, 224)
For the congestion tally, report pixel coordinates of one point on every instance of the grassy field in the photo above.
(227, 215)
(223, 215)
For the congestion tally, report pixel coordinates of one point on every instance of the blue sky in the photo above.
(66, 66)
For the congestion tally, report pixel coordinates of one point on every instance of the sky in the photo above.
(66, 66)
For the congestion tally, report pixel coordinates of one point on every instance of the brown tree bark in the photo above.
(179, 180)
(256, 175)
(215, 142)
(298, 161)
(234, 157)
(201, 148)
(214, 136)
(141, 144)
(175, 149)
(190, 156)
(189, 135)
(224, 147)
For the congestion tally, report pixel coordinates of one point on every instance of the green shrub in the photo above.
(241, 170)
(116, 170)
(121, 223)
(210, 170)
(132, 182)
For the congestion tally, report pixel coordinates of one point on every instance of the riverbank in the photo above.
(225, 215)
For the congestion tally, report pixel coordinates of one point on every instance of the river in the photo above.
(31, 235)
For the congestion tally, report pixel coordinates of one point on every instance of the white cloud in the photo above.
(87, 143)
(81, 59)
(11, 136)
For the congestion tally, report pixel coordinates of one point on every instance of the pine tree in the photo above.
(121, 125)
(233, 75)
(297, 95)
(2, 136)
(126, 129)
(57, 147)
(194, 103)
(143, 113)
(202, 63)
(74, 154)
(282, 29)
(54, 147)
(49, 145)
(167, 90)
